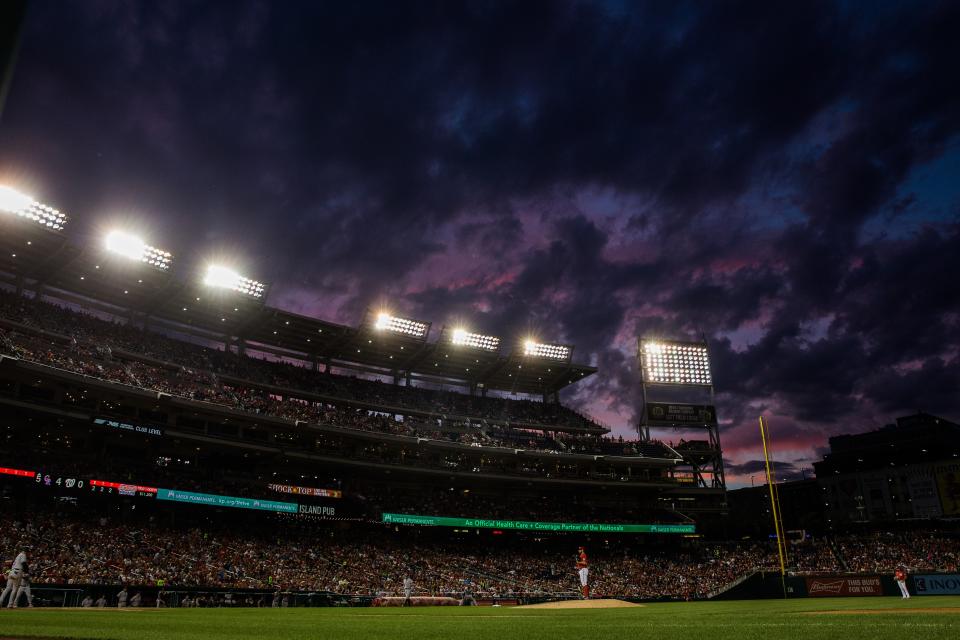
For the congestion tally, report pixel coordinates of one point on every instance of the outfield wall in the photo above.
(770, 585)
(758, 586)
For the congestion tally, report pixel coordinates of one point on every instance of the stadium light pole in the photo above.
(221, 277)
(26, 207)
(386, 322)
(133, 248)
(680, 365)
(536, 349)
(463, 338)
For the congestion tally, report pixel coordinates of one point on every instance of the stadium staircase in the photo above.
(838, 554)
(731, 585)
(478, 576)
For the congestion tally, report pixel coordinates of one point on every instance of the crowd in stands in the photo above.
(76, 549)
(115, 335)
(93, 347)
(918, 551)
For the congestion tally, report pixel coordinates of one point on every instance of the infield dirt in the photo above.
(581, 604)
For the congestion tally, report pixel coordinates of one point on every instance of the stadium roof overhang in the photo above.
(38, 259)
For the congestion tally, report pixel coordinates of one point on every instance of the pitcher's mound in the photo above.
(581, 604)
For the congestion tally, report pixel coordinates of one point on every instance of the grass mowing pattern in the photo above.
(740, 620)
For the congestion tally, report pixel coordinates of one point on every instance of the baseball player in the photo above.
(10, 589)
(900, 575)
(122, 598)
(407, 590)
(24, 588)
(13, 580)
(583, 570)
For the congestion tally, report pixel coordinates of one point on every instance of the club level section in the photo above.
(120, 407)
(118, 417)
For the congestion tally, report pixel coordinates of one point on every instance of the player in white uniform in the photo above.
(13, 580)
(583, 572)
(407, 590)
(900, 575)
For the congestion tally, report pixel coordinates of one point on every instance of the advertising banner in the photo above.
(482, 523)
(669, 414)
(306, 491)
(214, 500)
(923, 493)
(126, 426)
(829, 587)
(948, 481)
(936, 584)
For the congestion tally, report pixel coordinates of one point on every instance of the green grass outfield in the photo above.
(742, 620)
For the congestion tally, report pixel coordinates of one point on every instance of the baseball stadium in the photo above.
(173, 448)
(561, 320)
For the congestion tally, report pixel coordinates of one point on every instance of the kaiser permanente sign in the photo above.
(479, 523)
(214, 500)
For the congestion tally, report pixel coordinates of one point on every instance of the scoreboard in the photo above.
(73, 484)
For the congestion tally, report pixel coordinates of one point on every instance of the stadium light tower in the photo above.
(24, 206)
(681, 368)
(462, 338)
(387, 322)
(682, 363)
(221, 277)
(534, 349)
(133, 248)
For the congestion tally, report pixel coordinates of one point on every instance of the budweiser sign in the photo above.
(863, 586)
(831, 587)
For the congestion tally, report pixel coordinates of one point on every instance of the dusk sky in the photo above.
(782, 178)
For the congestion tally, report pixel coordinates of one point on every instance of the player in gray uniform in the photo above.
(11, 589)
(24, 588)
(122, 598)
(13, 580)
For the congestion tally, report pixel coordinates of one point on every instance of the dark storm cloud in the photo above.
(586, 172)
(782, 470)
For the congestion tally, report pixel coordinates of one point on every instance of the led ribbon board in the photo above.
(215, 500)
(520, 525)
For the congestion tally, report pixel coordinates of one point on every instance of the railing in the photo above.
(56, 597)
(731, 585)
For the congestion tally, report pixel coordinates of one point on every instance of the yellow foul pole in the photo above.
(774, 506)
